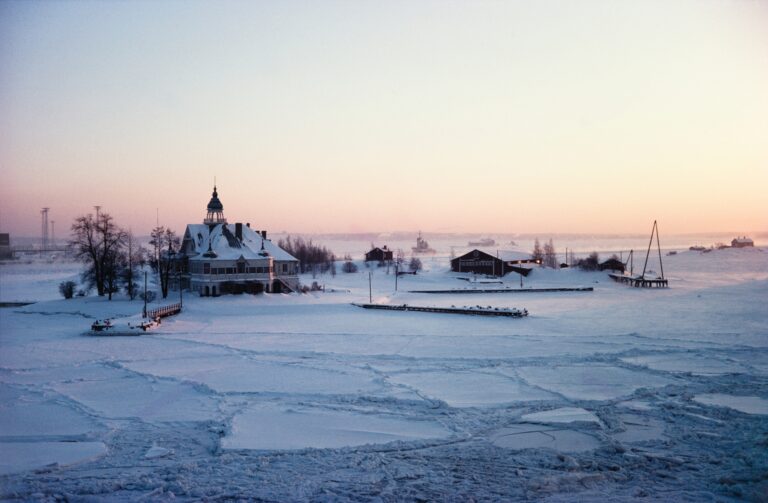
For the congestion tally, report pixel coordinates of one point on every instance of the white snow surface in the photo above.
(614, 394)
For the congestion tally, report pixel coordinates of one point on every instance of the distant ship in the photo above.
(483, 242)
(422, 246)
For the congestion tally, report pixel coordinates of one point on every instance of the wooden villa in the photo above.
(377, 254)
(480, 262)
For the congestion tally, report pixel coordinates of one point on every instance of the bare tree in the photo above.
(415, 264)
(537, 254)
(591, 263)
(399, 259)
(97, 242)
(157, 246)
(550, 257)
(132, 258)
(169, 244)
(85, 244)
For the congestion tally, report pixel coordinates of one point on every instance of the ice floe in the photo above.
(683, 362)
(470, 389)
(589, 382)
(529, 436)
(746, 404)
(278, 427)
(22, 456)
(561, 415)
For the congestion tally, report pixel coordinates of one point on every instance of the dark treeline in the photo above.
(312, 258)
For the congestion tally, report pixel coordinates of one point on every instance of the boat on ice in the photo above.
(135, 325)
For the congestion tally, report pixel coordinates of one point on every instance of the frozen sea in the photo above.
(616, 394)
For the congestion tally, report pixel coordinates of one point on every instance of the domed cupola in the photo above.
(215, 214)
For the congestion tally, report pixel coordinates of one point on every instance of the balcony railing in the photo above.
(239, 277)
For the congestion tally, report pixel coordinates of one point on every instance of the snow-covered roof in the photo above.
(503, 255)
(743, 240)
(511, 255)
(227, 247)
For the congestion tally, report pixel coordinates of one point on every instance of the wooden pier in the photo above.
(476, 311)
(508, 290)
(162, 312)
(639, 281)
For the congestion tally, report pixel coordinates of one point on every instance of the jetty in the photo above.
(510, 312)
(150, 319)
(640, 281)
(508, 290)
(164, 311)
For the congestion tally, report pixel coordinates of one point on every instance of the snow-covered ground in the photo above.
(614, 394)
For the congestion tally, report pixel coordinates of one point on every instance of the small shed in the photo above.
(613, 264)
(377, 254)
(480, 262)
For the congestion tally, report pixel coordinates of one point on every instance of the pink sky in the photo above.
(594, 117)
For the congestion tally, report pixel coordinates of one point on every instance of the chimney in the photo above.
(264, 234)
(248, 224)
(239, 231)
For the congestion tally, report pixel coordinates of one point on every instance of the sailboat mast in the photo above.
(658, 244)
(648, 252)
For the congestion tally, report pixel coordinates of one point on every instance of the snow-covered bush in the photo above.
(415, 264)
(349, 267)
(67, 289)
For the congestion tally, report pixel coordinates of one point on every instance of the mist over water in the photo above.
(581, 244)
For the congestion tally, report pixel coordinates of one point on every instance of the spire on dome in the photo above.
(215, 213)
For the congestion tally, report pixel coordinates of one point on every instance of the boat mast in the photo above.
(648, 252)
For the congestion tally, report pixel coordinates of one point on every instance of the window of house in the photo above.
(206, 268)
(285, 268)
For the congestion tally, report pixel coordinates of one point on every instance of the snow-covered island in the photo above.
(613, 394)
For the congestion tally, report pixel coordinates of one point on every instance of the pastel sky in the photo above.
(343, 116)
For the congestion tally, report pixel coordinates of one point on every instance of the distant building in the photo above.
(480, 262)
(379, 255)
(742, 242)
(612, 264)
(222, 258)
(5, 247)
